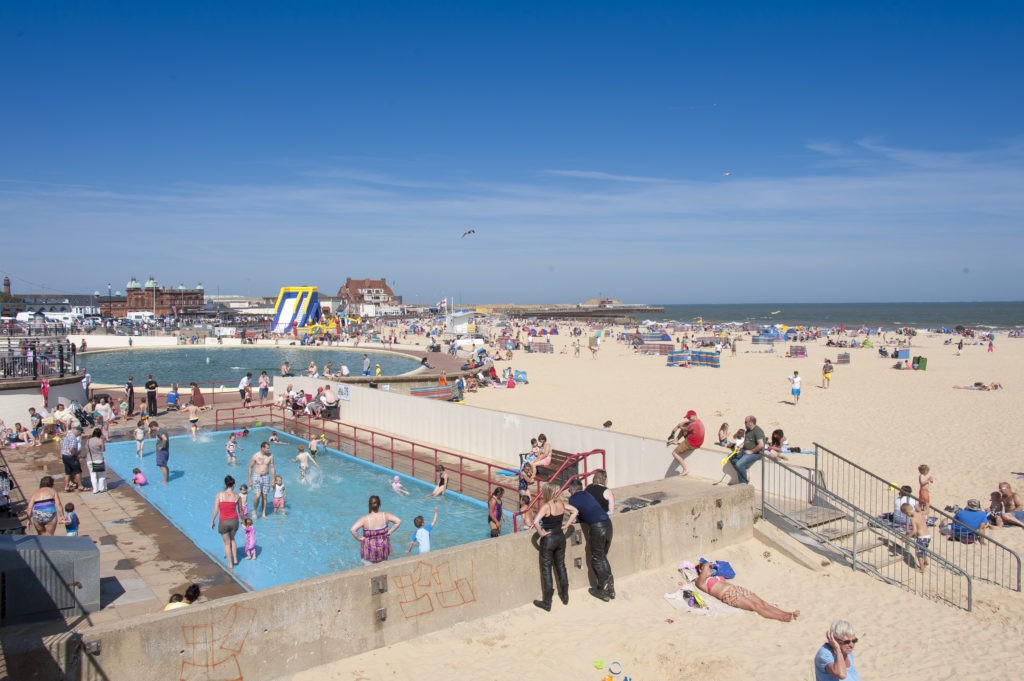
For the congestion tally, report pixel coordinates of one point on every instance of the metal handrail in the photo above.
(867, 521)
(1010, 554)
(535, 502)
(377, 441)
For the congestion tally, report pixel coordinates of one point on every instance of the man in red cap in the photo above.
(688, 435)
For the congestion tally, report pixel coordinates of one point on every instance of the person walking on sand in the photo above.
(261, 473)
(163, 448)
(835, 658)
(688, 435)
(795, 387)
(826, 373)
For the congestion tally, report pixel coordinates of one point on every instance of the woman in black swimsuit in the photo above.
(442, 482)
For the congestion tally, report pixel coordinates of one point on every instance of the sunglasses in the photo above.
(847, 642)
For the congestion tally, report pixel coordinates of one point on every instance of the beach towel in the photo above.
(713, 606)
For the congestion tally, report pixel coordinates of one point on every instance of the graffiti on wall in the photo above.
(215, 647)
(435, 584)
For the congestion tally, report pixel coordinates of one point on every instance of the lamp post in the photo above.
(110, 302)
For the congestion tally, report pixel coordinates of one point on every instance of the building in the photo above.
(160, 300)
(368, 298)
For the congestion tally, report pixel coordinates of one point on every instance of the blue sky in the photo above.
(691, 152)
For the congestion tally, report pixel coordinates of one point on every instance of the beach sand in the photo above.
(886, 420)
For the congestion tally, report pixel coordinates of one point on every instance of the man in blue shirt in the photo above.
(599, 537)
(973, 517)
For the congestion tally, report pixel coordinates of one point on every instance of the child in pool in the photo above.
(230, 448)
(279, 496)
(140, 436)
(138, 478)
(422, 536)
(70, 520)
(396, 486)
(273, 439)
(250, 540)
(243, 494)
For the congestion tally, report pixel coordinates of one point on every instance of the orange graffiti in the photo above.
(216, 646)
(432, 585)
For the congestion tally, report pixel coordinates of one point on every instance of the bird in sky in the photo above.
(727, 173)
(467, 233)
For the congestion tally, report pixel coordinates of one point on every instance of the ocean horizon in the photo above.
(989, 315)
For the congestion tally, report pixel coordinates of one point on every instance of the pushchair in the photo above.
(87, 420)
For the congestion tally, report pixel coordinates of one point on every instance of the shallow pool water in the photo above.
(312, 538)
(227, 365)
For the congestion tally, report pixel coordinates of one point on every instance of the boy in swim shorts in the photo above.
(919, 532)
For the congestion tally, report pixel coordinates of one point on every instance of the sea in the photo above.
(980, 315)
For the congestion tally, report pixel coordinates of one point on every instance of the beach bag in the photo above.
(722, 568)
(99, 467)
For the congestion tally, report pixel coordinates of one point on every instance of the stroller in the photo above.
(86, 420)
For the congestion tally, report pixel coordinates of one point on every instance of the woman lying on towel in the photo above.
(739, 597)
(979, 386)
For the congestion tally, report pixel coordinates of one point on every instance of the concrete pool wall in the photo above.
(280, 631)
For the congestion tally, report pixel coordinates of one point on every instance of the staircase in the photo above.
(837, 507)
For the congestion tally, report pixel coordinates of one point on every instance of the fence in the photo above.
(847, 510)
(466, 474)
(37, 357)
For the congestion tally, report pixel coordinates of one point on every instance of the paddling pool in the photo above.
(313, 537)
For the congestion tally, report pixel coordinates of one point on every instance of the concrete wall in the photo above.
(17, 397)
(280, 631)
(502, 436)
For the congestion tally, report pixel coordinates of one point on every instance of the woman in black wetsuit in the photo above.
(551, 531)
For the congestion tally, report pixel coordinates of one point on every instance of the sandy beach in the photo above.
(888, 421)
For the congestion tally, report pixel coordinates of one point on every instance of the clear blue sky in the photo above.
(694, 152)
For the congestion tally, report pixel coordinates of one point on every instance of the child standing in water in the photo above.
(243, 498)
(250, 540)
(304, 458)
(231, 448)
(140, 436)
(279, 496)
(422, 536)
(193, 420)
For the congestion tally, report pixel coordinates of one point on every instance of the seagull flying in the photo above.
(467, 233)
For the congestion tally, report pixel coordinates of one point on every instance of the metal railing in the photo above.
(988, 560)
(37, 357)
(568, 472)
(792, 498)
(849, 508)
(390, 451)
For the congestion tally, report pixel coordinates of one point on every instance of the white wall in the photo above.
(501, 436)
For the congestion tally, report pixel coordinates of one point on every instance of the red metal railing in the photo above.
(583, 458)
(383, 447)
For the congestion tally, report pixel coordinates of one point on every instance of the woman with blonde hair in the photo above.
(551, 531)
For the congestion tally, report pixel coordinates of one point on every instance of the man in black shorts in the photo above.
(163, 447)
(70, 446)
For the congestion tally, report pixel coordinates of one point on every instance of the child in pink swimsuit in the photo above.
(250, 540)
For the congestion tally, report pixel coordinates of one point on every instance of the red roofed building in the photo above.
(368, 298)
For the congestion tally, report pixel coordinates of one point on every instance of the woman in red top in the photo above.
(227, 505)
